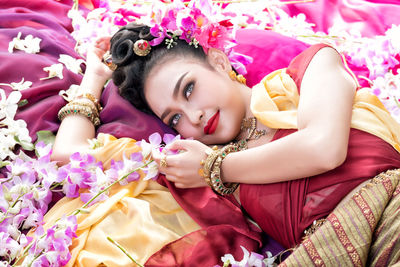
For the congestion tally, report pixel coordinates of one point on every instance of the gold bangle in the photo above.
(79, 109)
(87, 103)
(217, 184)
(92, 98)
(207, 164)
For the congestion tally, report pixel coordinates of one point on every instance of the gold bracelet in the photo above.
(92, 98)
(79, 109)
(87, 103)
(207, 164)
(217, 184)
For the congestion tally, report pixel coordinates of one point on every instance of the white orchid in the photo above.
(55, 70)
(250, 259)
(12, 132)
(9, 105)
(151, 171)
(22, 85)
(7, 144)
(71, 63)
(30, 44)
(16, 43)
(72, 92)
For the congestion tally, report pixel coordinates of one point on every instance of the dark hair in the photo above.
(132, 70)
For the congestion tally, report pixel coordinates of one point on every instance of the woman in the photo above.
(288, 178)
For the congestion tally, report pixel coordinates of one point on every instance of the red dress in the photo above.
(284, 210)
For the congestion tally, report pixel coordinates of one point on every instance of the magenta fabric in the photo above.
(372, 17)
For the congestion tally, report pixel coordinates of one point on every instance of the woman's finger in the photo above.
(180, 185)
(181, 145)
(171, 178)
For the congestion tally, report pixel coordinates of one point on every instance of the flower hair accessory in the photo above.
(141, 48)
(200, 22)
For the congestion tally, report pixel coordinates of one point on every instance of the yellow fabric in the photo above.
(142, 216)
(275, 99)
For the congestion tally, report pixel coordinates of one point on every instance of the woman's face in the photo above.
(196, 100)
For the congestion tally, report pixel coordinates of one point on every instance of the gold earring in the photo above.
(235, 77)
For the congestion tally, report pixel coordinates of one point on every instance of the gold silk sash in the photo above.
(275, 99)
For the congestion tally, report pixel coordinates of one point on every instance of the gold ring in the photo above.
(163, 161)
(107, 59)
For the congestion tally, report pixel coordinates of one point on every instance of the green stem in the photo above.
(75, 5)
(108, 187)
(37, 256)
(124, 251)
(12, 206)
(396, 101)
(55, 185)
(6, 181)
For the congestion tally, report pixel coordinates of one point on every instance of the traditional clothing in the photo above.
(284, 210)
(196, 227)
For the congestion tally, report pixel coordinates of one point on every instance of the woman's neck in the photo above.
(246, 94)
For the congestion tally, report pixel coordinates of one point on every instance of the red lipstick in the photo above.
(212, 124)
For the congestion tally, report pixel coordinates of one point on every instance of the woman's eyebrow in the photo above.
(178, 85)
(174, 94)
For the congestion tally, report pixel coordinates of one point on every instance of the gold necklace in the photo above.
(249, 125)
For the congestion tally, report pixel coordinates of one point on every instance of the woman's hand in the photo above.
(94, 63)
(183, 168)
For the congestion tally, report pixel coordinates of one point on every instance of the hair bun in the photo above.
(122, 42)
(122, 51)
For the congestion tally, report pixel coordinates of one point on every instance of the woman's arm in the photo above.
(75, 130)
(320, 144)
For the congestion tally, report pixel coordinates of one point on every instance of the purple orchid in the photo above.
(160, 33)
(188, 27)
(238, 61)
(9, 248)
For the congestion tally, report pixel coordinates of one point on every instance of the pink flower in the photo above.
(169, 21)
(199, 18)
(188, 27)
(238, 61)
(160, 33)
(213, 35)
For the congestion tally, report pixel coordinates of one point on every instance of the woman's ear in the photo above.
(218, 60)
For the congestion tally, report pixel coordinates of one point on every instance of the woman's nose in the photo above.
(195, 116)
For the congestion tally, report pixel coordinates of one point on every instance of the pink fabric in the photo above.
(372, 17)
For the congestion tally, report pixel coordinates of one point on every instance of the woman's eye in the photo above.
(188, 90)
(174, 120)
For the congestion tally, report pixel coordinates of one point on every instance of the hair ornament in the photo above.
(141, 48)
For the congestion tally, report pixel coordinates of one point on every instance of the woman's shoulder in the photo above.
(299, 64)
